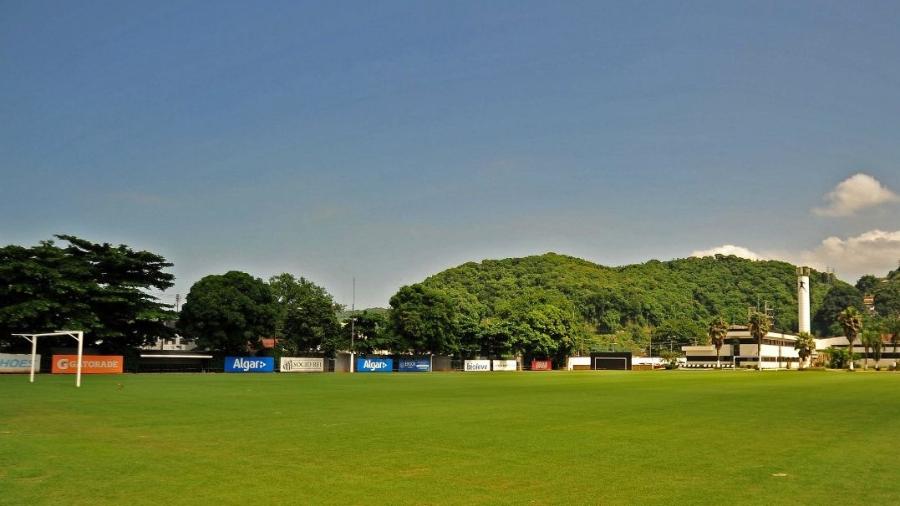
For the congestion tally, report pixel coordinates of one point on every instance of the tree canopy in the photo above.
(544, 304)
(306, 315)
(372, 331)
(99, 288)
(840, 297)
(229, 312)
(887, 295)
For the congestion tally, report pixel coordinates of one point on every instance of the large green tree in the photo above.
(306, 315)
(887, 296)
(538, 323)
(99, 288)
(371, 332)
(429, 320)
(681, 331)
(839, 297)
(229, 313)
(867, 284)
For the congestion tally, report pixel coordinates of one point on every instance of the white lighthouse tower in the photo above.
(803, 299)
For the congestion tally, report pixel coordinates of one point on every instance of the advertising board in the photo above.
(578, 363)
(541, 365)
(477, 365)
(302, 364)
(374, 364)
(504, 365)
(414, 364)
(249, 364)
(18, 363)
(90, 364)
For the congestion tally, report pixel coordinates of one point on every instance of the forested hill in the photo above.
(651, 294)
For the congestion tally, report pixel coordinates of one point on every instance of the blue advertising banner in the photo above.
(417, 364)
(249, 364)
(374, 364)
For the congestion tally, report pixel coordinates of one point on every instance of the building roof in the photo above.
(174, 355)
(268, 342)
(745, 332)
(827, 342)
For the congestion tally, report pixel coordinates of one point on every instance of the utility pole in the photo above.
(353, 328)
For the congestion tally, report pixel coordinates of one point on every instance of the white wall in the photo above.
(573, 361)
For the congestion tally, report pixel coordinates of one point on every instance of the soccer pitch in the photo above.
(664, 437)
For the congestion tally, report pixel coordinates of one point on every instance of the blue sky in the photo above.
(390, 140)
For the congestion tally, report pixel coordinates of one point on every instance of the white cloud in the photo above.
(728, 249)
(873, 252)
(858, 191)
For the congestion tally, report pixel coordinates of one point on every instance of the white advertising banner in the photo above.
(19, 363)
(477, 365)
(578, 361)
(302, 364)
(505, 365)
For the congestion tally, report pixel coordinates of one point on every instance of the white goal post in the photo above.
(78, 335)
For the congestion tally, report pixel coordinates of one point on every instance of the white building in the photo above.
(889, 355)
(176, 343)
(740, 350)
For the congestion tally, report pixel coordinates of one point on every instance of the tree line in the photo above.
(546, 306)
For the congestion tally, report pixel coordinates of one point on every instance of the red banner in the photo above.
(90, 364)
(541, 365)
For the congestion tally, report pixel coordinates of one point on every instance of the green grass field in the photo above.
(664, 437)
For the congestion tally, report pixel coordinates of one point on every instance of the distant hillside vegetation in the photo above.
(651, 294)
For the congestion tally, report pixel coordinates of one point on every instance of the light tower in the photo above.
(803, 299)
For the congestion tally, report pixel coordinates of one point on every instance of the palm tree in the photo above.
(871, 338)
(877, 346)
(718, 329)
(805, 344)
(759, 327)
(866, 341)
(851, 322)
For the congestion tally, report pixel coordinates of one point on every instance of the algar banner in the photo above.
(18, 363)
(249, 364)
(374, 364)
(418, 364)
(90, 364)
(302, 364)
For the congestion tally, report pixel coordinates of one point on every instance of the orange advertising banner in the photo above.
(90, 364)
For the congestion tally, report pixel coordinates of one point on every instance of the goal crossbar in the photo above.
(78, 335)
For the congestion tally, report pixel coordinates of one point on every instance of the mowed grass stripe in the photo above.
(453, 438)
